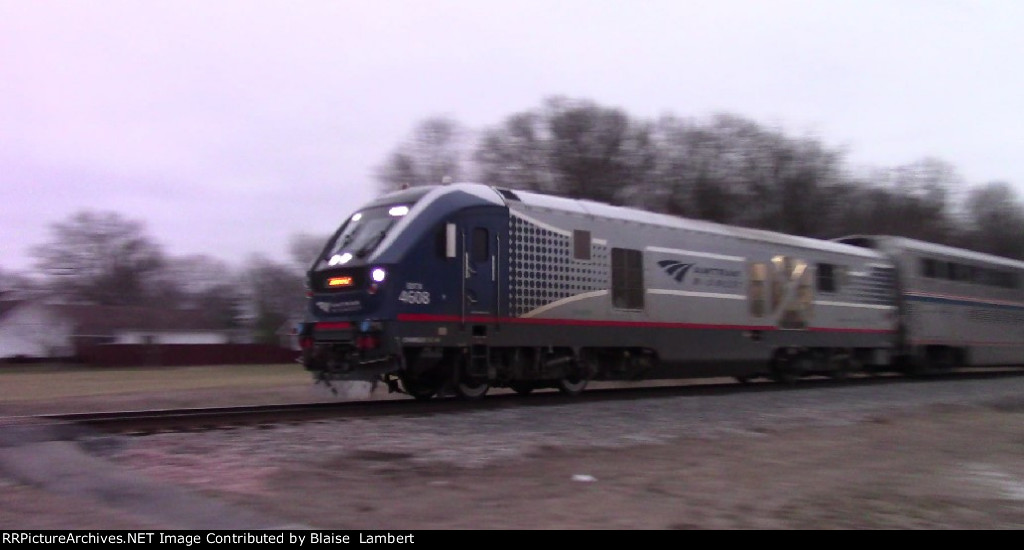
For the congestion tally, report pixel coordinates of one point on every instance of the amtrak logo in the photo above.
(339, 307)
(676, 270)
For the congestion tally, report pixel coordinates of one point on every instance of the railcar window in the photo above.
(627, 278)
(929, 268)
(361, 234)
(827, 281)
(962, 272)
(952, 271)
(480, 245)
(581, 244)
(1004, 279)
(441, 242)
(935, 269)
(993, 277)
(983, 276)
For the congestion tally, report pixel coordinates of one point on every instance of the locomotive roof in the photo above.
(607, 211)
(933, 249)
(414, 194)
(584, 207)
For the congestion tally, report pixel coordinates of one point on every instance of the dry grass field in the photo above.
(42, 389)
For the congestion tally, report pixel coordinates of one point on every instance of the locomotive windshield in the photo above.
(361, 234)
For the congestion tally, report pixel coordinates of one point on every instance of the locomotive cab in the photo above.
(426, 254)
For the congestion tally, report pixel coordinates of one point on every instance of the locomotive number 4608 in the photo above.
(421, 297)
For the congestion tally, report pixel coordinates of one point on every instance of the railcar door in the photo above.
(483, 235)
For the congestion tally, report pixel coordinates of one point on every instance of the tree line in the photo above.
(726, 169)
(105, 258)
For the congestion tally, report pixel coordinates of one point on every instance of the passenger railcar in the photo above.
(464, 287)
(957, 307)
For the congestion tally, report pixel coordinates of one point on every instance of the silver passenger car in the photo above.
(957, 307)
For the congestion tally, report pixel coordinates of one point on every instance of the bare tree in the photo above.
(995, 220)
(17, 285)
(917, 203)
(591, 149)
(434, 152)
(304, 248)
(517, 155)
(734, 170)
(99, 257)
(569, 147)
(727, 169)
(694, 172)
(203, 283)
(276, 294)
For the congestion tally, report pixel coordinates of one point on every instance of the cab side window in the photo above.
(481, 251)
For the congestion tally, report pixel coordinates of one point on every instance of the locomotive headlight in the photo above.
(378, 274)
(339, 259)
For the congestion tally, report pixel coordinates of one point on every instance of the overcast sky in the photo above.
(229, 126)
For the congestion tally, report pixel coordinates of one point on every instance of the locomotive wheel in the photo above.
(842, 365)
(420, 387)
(572, 385)
(423, 378)
(782, 368)
(786, 377)
(916, 367)
(468, 387)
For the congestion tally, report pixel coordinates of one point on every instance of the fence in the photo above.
(173, 355)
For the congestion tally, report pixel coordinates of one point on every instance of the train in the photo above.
(455, 289)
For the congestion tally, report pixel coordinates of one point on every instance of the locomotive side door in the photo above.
(482, 234)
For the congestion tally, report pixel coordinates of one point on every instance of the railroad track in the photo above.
(152, 421)
(144, 422)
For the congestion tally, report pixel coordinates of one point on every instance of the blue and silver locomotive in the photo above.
(463, 287)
